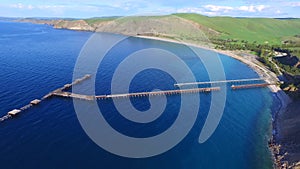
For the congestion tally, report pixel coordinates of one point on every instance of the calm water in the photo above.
(36, 59)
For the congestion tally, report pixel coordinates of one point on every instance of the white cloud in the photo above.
(197, 10)
(128, 5)
(41, 7)
(56, 10)
(21, 6)
(49, 6)
(261, 7)
(246, 8)
(216, 8)
(190, 10)
(252, 8)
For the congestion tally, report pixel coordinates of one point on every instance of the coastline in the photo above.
(263, 72)
(248, 59)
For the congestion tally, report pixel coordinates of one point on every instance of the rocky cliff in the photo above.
(73, 25)
(79, 25)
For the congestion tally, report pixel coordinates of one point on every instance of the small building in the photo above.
(35, 102)
(14, 112)
(280, 54)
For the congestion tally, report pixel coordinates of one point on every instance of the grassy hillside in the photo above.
(92, 21)
(260, 30)
(166, 26)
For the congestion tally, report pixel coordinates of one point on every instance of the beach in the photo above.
(280, 143)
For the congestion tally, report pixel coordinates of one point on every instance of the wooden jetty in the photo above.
(61, 93)
(73, 95)
(139, 94)
(66, 86)
(158, 93)
(220, 82)
(35, 102)
(247, 86)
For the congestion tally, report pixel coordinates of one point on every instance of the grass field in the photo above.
(92, 21)
(261, 30)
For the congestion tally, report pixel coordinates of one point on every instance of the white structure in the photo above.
(14, 112)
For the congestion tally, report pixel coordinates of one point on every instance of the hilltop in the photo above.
(259, 30)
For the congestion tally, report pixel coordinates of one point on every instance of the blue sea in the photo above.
(36, 59)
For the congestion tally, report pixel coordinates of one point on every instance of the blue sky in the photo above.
(98, 8)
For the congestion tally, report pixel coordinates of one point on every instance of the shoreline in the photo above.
(274, 142)
(278, 93)
(260, 69)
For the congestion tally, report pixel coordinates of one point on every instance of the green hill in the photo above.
(92, 21)
(260, 30)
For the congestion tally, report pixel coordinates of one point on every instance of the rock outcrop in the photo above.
(79, 25)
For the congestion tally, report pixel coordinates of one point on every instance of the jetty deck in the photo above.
(36, 102)
(219, 82)
(158, 93)
(60, 92)
(247, 86)
(139, 94)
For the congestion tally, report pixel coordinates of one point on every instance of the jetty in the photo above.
(61, 92)
(220, 82)
(140, 94)
(36, 102)
(66, 86)
(247, 86)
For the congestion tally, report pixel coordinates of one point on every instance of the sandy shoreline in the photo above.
(270, 77)
(249, 60)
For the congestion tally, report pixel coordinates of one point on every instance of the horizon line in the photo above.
(94, 17)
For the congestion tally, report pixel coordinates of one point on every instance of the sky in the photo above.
(100, 8)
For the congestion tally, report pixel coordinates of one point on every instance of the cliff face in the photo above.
(80, 25)
(289, 138)
(164, 26)
(171, 27)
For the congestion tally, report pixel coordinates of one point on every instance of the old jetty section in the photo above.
(38, 101)
(140, 94)
(60, 92)
(220, 82)
(249, 86)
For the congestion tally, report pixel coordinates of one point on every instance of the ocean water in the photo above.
(36, 59)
